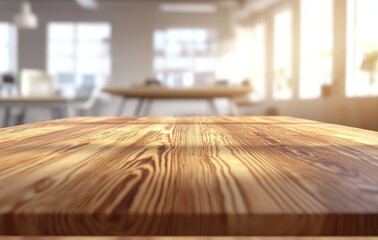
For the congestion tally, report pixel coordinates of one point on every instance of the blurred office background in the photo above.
(314, 59)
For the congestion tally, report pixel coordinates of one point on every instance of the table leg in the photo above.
(147, 108)
(234, 111)
(55, 113)
(67, 111)
(21, 117)
(138, 108)
(7, 113)
(121, 107)
(213, 107)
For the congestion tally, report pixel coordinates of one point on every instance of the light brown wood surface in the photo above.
(188, 176)
(178, 93)
(187, 238)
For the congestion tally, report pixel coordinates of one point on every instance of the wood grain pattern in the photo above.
(188, 176)
(187, 238)
(178, 93)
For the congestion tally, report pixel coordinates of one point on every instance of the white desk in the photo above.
(61, 106)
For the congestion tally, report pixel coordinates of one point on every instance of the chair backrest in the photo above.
(65, 83)
(36, 83)
(87, 93)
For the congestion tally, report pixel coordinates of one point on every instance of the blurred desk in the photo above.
(147, 94)
(62, 106)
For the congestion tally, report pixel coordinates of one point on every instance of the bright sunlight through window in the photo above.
(362, 76)
(316, 47)
(283, 33)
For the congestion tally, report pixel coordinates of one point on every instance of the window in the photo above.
(184, 57)
(79, 53)
(362, 77)
(8, 44)
(258, 77)
(316, 47)
(283, 31)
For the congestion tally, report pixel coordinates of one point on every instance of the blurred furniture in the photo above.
(65, 83)
(8, 88)
(86, 96)
(8, 85)
(146, 95)
(152, 82)
(37, 89)
(36, 83)
(188, 176)
(60, 105)
(369, 65)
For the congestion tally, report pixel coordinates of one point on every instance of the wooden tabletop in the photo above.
(182, 238)
(178, 93)
(188, 176)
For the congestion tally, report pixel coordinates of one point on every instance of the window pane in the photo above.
(159, 63)
(61, 32)
(62, 65)
(89, 65)
(362, 78)
(282, 84)
(62, 49)
(4, 60)
(79, 49)
(200, 35)
(93, 31)
(90, 49)
(182, 56)
(159, 41)
(316, 46)
(4, 33)
(204, 64)
(8, 47)
(258, 77)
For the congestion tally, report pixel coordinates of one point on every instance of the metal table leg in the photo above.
(147, 108)
(138, 108)
(67, 111)
(7, 113)
(21, 117)
(121, 107)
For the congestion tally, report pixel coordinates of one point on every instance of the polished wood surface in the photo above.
(188, 176)
(187, 238)
(177, 93)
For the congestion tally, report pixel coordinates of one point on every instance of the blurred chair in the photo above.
(8, 85)
(86, 95)
(36, 83)
(66, 84)
(8, 88)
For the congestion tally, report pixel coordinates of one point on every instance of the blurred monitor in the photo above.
(8, 78)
